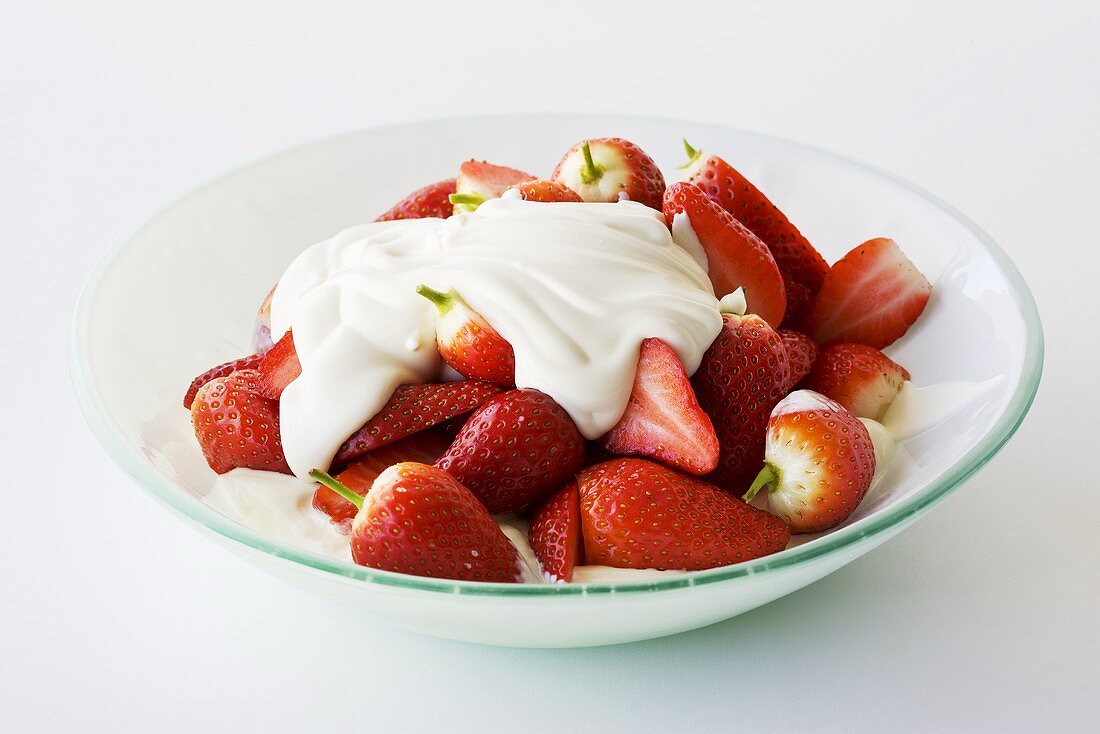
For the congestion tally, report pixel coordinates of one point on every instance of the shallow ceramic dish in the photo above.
(178, 292)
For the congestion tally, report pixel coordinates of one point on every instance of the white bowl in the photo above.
(178, 292)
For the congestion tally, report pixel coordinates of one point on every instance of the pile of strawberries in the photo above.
(775, 403)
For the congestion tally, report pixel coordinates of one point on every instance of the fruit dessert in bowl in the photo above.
(569, 399)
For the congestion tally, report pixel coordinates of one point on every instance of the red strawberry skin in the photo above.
(743, 374)
(639, 514)
(624, 169)
(236, 426)
(419, 520)
(801, 353)
(872, 296)
(279, 367)
(663, 419)
(823, 460)
(468, 343)
(515, 450)
(486, 180)
(222, 370)
(430, 201)
(424, 447)
(555, 534)
(547, 191)
(735, 256)
(414, 408)
(859, 377)
(795, 256)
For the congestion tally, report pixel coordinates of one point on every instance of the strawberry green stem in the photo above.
(768, 475)
(443, 301)
(590, 171)
(693, 154)
(472, 200)
(337, 486)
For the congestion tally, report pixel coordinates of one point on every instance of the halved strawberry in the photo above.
(236, 426)
(638, 514)
(607, 169)
(859, 377)
(819, 462)
(432, 200)
(736, 258)
(479, 181)
(801, 351)
(796, 257)
(222, 370)
(663, 419)
(279, 367)
(467, 342)
(547, 191)
(555, 534)
(419, 520)
(872, 296)
(414, 408)
(425, 447)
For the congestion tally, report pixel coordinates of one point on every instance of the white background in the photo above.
(115, 617)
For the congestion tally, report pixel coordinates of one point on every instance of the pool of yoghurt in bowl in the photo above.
(130, 364)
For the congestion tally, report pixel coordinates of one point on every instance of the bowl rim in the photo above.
(133, 462)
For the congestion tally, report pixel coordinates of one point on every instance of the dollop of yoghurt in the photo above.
(575, 288)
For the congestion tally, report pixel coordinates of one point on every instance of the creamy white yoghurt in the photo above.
(575, 288)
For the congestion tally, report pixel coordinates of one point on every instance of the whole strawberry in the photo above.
(515, 450)
(819, 462)
(432, 200)
(236, 426)
(419, 520)
(466, 341)
(555, 534)
(638, 514)
(608, 169)
(743, 374)
(859, 377)
(801, 351)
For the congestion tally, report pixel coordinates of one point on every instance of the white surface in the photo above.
(981, 617)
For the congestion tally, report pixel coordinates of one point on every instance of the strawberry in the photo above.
(736, 258)
(819, 462)
(414, 408)
(872, 296)
(236, 426)
(514, 450)
(663, 419)
(419, 520)
(478, 181)
(244, 363)
(800, 304)
(638, 514)
(801, 353)
(555, 534)
(467, 342)
(742, 376)
(279, 367)
(425, 447)
(261, 330)
(431, 201)
(607, 169)
(546, 191)
(796, 257)
(859, 377)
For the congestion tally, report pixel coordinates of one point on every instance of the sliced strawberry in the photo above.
(515, 450)
(801, 352)
(736, 258)
(859, 377)
(467, 342)
(425, 447)
(419, 520)
(872, 296)
(479, 181)
(432, 200)
(819, 462)
(414, 408)
(796, 257)
(236, 426)
(556, 534)
(608, 169)
(800, 305)
(638, 514)
(222, 370)
(547, 191)
(279, 367)
(663, 419)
